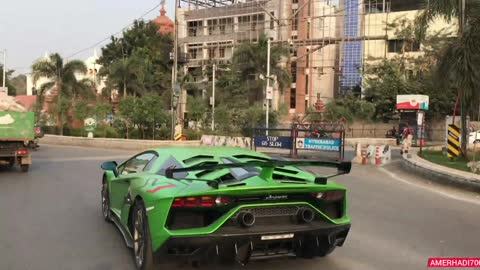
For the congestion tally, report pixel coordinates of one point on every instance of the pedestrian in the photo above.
(407, 135)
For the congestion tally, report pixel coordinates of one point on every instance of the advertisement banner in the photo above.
(412, 102)
(319, 144)
(282, 142)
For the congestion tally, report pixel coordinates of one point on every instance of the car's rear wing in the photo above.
(343, 167)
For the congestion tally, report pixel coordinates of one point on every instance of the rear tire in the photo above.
(24, 167)
(142, 244)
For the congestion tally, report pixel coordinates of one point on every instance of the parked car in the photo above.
(474, 137)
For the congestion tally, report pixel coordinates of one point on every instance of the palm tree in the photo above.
(63, 81)
(459, 66)
(126, 74)
(250, 59)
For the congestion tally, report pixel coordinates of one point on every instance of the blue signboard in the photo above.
(273, 142)
(319, 144)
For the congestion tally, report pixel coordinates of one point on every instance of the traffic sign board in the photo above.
(453, 149)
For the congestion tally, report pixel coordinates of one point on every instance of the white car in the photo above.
(474, 137)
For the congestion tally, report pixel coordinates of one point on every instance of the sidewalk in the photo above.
(440, 174)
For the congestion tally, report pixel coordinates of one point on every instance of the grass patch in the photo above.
(438, 157)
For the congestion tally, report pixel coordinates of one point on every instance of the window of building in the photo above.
(221, 52)
(226, 25)
(295, 21)
(193, 53)
(211, 53)
(376, 6)
(400, 45)
(195, 28)
(308, 29)
(272, 21)
(293, 98)
(293, 71)
(306, 105)
(306, 85)
(307, 58)
(212, 26)
(295, 1)
(406, 5)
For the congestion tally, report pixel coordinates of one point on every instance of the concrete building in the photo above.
(331, 40)
(374, 18)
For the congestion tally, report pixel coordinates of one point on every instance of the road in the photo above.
(50, 218)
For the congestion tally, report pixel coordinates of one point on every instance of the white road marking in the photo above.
(434, 190)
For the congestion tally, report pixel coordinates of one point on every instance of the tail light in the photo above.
(331, 195)
(22, 152)
(203, 201)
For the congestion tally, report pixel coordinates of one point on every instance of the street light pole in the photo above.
(268, 86)
(213, 97)
(174, 69)
(4, 66)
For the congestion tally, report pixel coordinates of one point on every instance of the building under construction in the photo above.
(330, 40)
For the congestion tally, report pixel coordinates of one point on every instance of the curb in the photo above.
(440, 174)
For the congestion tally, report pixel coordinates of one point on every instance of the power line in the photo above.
(116, 33)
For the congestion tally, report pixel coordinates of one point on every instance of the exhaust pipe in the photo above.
(246, 219)
(305, 215)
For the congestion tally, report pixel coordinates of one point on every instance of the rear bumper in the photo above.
(231, 245)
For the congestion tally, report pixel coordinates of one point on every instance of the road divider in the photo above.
(108, 143)
(441, 174)
(372, 154)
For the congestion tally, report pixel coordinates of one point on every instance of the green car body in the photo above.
(227, 212)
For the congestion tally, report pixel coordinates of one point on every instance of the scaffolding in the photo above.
(330, 40)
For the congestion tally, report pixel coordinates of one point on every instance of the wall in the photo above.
(112, 143)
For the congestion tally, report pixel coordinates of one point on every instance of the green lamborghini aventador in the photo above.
(198, 204)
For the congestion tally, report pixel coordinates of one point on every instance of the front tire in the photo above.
(142, 246)
(107, 215)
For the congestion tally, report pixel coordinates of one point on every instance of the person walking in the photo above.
(407, 135)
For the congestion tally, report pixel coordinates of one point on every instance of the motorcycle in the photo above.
(33, 144)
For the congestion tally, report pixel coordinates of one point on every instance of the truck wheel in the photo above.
(11, 162)
(24, 167)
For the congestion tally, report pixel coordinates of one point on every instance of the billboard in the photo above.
(282, 142)
(319, 144)
(412, 102)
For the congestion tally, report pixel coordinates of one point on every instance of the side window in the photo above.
(137, 164)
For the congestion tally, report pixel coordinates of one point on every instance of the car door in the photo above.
(128, 171)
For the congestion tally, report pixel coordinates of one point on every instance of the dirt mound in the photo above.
(8, 104)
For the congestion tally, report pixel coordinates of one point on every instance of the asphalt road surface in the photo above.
(50, 218)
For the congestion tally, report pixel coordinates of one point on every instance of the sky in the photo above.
(29, 28)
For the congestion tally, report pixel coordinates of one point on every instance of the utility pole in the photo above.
(174, 69)
(213, 97)
(267, 97)
(4, 66)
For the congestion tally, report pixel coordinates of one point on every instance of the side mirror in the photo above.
(110, 166)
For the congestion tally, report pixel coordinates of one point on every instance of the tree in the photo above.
(197, 110)
(8, 74)
(19, 83)
(63, 81)
(250, 60)
(81, 110)
(458, 67)
(138, 62)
